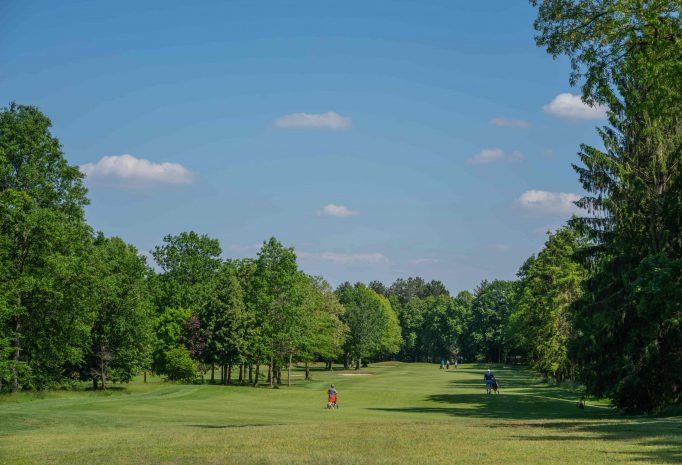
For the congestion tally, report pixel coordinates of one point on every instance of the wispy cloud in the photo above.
(489, 156)
(501, 247)
(329, 120)
(510, 123)
(345, 259)
(544, 202)
(129, 171)
(486, 156)
(569, 106)
(338, 211)
(424, 261)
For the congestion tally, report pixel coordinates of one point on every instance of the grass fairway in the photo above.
(401, 414)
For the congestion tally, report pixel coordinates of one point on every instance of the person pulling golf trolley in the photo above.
(331, 398)
(491, 385)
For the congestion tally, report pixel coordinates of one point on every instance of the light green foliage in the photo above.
(179, 366)
(170, 333)
(372, 324)
(122, 328)
(548, 285)
(324, 331)
(391, 338)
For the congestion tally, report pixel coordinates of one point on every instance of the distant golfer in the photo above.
(447, 364)
(441, 364)
(331, 399)
(488, 377)
(456, 363)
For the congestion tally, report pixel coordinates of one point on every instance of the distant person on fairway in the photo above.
(447, 364)
(456, 362)
(441, 364)
(331, 400)
(488, 377)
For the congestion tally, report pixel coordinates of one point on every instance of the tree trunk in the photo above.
(357, 363)
(94, 383)
(229, 373)
(346, 362)
(103, 374)
(270, 373)
(250, 373)
(145, 376)
(17, 351)
(289, 372)
(241, 374)
(212, 373)
(255, 380)
(307, 371)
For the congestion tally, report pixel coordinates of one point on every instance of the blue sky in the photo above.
(381, 139)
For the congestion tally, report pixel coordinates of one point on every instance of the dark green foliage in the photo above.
(189, 263)
(122, 331)
(44, 254)
(226, 321)
(548, 285)
(490, 312)
(627, 334)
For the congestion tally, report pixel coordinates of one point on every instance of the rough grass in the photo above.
(403, 414)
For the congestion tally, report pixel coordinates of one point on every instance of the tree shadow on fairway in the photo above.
(658, 440)
(552, 411)
(517, 406)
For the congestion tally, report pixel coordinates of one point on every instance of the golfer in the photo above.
(331, 400)
(488, 377)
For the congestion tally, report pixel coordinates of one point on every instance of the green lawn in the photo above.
(400, 414)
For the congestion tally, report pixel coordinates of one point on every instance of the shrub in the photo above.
(179, 365)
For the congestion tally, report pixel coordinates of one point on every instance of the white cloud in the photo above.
(345, 259)
(569, 106)
(329, 120)
(128, 171)
(502, 247)
(510, 123)
(338, 211)
(488, 156)
(549, 202)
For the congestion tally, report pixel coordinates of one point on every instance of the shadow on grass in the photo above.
(247, 425)
(659, 439)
